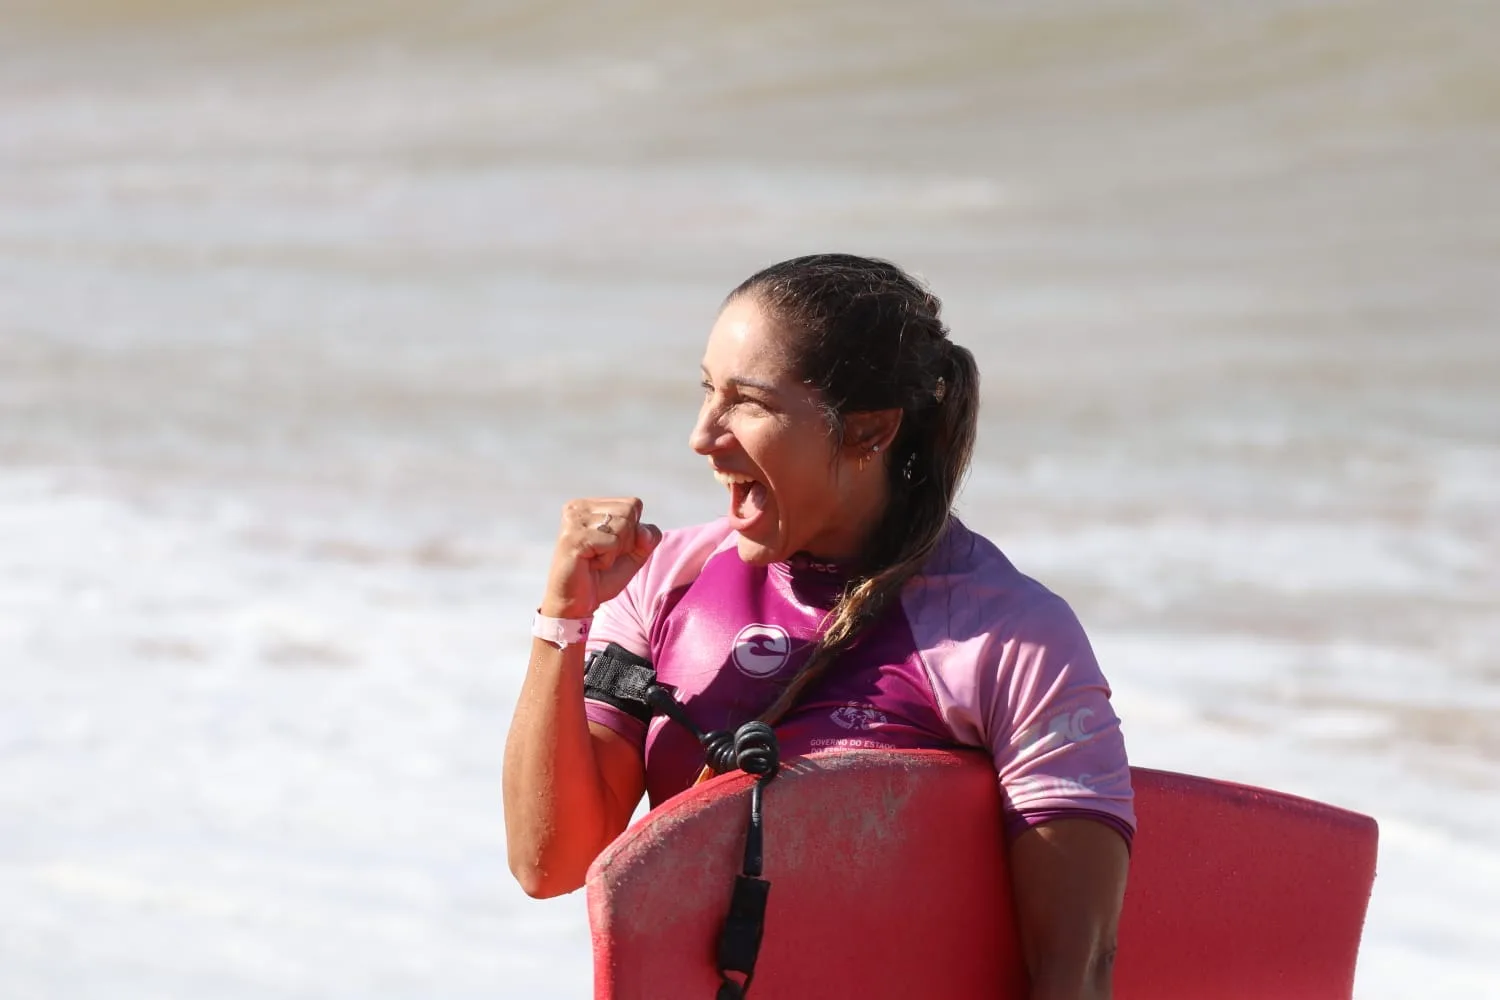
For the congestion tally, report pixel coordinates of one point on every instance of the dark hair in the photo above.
(867, 336)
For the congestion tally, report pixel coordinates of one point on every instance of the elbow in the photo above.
(547, 861)
(1081, 977)
(540, 861)
(542, 882)
(1101, 976)
(535, 883)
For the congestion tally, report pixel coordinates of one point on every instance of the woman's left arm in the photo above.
(1068, 876)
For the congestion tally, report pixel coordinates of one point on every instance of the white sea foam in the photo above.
(240, 770)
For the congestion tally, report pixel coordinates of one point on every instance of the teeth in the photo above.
(732, 478)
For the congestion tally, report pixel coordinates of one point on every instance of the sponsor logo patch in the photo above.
(1035, 786)
(761, 650)
(858, 717)
(1060, 730)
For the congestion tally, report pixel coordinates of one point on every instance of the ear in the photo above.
(870, 432)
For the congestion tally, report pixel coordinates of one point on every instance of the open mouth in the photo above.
(747, 498)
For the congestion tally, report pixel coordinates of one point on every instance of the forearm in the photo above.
(557, 805)
(568, 794)
(1069, 880)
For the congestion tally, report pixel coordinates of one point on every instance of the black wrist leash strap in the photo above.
(627, 681)
(751, 748)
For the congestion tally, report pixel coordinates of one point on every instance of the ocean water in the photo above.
(312, 315)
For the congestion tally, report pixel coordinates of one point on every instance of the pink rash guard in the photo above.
(975, 654)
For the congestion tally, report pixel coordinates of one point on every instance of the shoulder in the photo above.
(969, 590)
(681, 554)
(1002, 651)
(676, 562)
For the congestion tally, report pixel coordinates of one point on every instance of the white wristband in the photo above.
(561, 632)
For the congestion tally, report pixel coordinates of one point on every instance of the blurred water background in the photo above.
(312, 315)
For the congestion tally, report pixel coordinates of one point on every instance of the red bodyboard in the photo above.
(887, 881)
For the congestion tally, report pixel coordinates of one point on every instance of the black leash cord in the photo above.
(752, 748)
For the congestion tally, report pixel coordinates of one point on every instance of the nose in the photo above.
(709, 434)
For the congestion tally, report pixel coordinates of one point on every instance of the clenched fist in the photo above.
(601, 544)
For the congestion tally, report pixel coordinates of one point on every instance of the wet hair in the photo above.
(867, 336)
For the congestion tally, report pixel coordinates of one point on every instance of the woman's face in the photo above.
(790, 489)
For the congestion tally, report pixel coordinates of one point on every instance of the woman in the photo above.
(839, 600)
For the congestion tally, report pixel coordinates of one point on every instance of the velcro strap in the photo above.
(618, 677)
(739, 945)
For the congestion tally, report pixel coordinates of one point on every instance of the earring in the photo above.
(875, 449)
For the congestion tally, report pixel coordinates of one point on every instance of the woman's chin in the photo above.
(758, 553)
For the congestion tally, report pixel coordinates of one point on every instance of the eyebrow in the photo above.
(751, 383)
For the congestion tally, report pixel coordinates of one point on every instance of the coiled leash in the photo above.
(627, 681)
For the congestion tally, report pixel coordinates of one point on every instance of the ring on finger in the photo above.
(603, 524)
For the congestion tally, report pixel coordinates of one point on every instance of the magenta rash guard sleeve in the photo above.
(1018, 676)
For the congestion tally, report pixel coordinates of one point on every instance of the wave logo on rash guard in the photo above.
(761, 650)
(858, 717)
